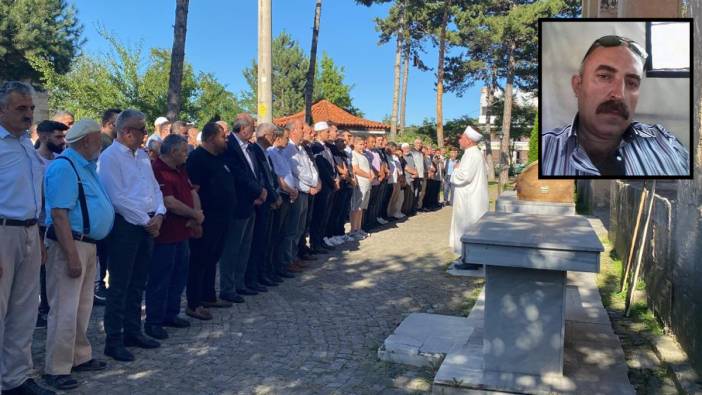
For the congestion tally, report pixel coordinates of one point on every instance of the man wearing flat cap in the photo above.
(79, 213)
(470, 199)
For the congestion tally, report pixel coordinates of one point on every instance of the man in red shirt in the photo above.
(169, 265)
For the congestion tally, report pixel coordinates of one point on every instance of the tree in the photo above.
(37, 28)
(403, 88)
(309, 84)
(522, 119)
(396, 87)
(288, 78)
(331, 84)
(501, 35)
(213, 99)
(177, 58)
(114, 80)
(534, 141)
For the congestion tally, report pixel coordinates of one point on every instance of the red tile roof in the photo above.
(324, 110)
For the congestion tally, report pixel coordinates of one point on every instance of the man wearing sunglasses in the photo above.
(603, 139)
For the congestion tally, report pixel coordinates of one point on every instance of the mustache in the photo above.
(613, 106)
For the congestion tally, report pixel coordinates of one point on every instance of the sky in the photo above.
(222, 39)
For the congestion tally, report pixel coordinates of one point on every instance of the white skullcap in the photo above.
(160, 121)
(472, 134)
(319, 126)
(199, 137)
(81, 129)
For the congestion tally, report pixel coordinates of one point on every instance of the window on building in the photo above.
(668, 48)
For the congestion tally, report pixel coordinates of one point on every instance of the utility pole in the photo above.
(265, 90)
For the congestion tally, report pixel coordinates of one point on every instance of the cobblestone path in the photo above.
(315, 334)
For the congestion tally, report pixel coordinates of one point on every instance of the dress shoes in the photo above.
(218, 304)
(286, 274)
(246, 291)
(94, 365)
(276, 279)
(140, 341)
(308, 257)
(200, 313)
(177, 322)
(328, 247)
(29, 387)
(234, 298)
(156, 331)
(267, 282)
(295, 268)
(119, 353)
(257, 287)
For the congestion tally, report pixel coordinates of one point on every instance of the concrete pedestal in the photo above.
(507, 202)
(524, 321)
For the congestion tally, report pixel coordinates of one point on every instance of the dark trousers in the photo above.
(416, 190)
(369, 219)
(320, 216)
(129, 260)
(302, 246)
(204, 254)
(260, 244)
(43, 299)
(431, 196)
(408, 202)
(167, 279)
(385, 199)
(102, 246)
(339, 212)
(235, 257)
(281, 244)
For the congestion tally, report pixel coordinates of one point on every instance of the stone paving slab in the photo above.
(316, 334)
(594, 361)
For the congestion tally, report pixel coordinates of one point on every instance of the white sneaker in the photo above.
(381, 221)
(347, 238)
(357, 236)
(329, 241)
(339, 240)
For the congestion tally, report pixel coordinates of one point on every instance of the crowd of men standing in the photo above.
(99, 214)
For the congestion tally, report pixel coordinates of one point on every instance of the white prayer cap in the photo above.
(319, 126)
(160, 121)
(472, 134)
(81, 129)
(199, 137)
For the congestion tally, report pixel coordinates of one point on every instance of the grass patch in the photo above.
(469, 302)
(608, 280)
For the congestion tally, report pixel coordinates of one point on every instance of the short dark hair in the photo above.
(50, 127)
(177, 125)
(109, 115)
(171, 142)
(210, 130)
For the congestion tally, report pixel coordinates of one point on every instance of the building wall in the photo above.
(672, 259)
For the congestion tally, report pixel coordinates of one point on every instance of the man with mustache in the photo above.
(603, 139)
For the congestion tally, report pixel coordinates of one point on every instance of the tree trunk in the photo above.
(489, 132)
(175, 78)
(309, 85)
(396, 87)
(507, 118)
(440, 77)
(403, 96)
(265, 87)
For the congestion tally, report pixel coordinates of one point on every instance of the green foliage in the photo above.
(289, 73)
(522, 119)
(124, 79)
(47, 29)
(534, 140)
(427, 130)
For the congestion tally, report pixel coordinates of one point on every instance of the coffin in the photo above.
(531, 188)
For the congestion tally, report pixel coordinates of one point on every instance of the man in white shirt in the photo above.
(125, 172)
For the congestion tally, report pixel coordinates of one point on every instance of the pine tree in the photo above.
(47, 29)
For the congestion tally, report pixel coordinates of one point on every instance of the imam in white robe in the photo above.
(470, 199)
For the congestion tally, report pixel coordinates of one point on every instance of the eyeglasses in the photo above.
(615, 41)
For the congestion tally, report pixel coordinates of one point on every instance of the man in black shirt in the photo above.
(214, 182)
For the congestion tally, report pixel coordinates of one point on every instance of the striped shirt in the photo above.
(646, 150)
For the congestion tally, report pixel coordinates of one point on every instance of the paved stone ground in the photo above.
(315, 334)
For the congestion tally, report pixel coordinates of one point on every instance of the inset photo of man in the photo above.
(615, 98)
